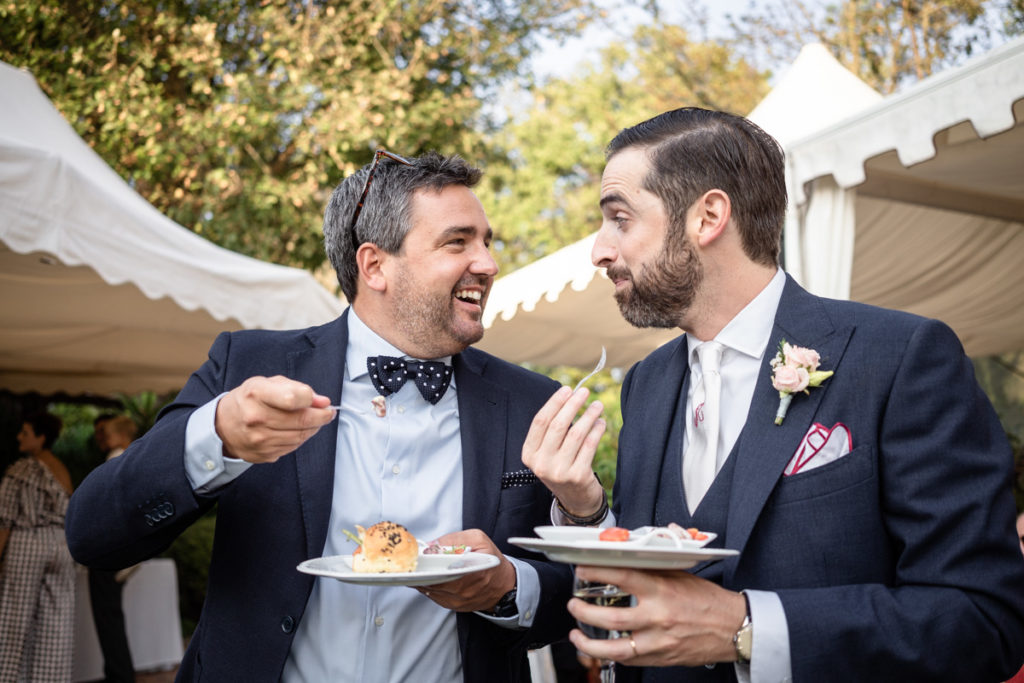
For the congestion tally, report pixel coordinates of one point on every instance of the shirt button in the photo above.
(209, 465)
(379, 621)
(401, 409)
(396, 469)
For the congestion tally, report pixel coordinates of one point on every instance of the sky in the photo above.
(561, 60)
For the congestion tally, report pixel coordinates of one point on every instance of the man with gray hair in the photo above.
(298, 436)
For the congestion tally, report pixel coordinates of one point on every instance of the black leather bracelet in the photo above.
(590, 520)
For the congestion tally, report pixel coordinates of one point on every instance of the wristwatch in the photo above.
(506, 607)
(743, 639)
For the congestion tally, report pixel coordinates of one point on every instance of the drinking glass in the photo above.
(604, 595)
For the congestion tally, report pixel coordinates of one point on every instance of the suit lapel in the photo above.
(322, 366)
(482, 411)
(764, 448)
(650, 425)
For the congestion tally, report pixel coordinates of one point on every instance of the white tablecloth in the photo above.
(150, 600)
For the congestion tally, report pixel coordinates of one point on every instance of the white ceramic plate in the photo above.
(645, 536)
(623, 554)
(430, 569)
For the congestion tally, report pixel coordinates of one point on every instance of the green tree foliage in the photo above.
(887, 44)
(543, 193)
(237, 117)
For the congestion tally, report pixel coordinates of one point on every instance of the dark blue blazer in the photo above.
(276, 515)
(897, 562)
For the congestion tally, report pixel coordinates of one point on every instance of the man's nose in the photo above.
(484, 263)
(604, 252)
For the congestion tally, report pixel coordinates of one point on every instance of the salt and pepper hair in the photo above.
(386, 215)
(694, 150)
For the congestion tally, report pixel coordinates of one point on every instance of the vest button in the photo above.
(287, 624)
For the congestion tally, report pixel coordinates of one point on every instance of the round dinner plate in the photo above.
(430, 569)
(625, 554)
(647, 536)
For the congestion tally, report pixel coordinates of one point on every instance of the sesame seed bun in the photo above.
(386, 547)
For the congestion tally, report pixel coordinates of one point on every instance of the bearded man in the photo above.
(255, 432)
(845, 451)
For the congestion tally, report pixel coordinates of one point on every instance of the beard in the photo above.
(662, 291)
(428, 319)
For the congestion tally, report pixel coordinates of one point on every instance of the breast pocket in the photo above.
(834, 479)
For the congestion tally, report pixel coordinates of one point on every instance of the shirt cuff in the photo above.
(206, 466)
(770, 660)
(527, 597)
(558, 519)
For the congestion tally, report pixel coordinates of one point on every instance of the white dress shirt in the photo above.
(405, 467)
(745, 338)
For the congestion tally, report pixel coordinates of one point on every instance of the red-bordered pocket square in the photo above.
(820, 446)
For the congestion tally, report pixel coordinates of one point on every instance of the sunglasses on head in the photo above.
(366, 188)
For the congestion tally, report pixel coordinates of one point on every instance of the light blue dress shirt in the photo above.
(404, 467)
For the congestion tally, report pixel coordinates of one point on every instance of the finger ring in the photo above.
(632, 644)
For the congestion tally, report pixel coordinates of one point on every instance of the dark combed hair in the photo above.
(694, 150)
(45, 425)
(385, 216)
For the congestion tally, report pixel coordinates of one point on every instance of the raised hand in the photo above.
(267, 417)
(561, 452)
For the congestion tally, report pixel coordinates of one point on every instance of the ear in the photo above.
(714, 209)
(370, 260)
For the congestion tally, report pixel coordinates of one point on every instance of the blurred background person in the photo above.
(37, 586)
(113, 433)
(118, 432)
(99, 435)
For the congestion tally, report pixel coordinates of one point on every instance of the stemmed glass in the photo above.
(605, 595)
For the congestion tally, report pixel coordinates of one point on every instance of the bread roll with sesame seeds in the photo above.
(386, 547)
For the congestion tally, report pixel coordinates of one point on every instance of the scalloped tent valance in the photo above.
(100, 292)
(913, 201)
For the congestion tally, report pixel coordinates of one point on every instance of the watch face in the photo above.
(744, 642)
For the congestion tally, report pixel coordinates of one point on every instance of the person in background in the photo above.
(118, 433)
(845, 451)
(99, 437)
(37, 584)
(113, 433)
(386, 413)
(1019, 676)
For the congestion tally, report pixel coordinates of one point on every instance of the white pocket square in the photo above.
(820, 446)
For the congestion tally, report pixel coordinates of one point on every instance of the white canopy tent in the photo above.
(917, 202)
(560, 310)
(100, 292)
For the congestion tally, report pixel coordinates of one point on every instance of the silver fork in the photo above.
(598, 368)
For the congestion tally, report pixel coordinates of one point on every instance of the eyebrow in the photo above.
(614, 198)
(466, 230)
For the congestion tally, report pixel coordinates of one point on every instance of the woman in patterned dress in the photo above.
(37, 584)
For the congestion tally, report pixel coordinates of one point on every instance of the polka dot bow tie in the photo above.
(388, 374)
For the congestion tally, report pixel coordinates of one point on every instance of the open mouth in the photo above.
(469, 296)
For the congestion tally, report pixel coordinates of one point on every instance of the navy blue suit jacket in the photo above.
(276, 515)
(896, 562)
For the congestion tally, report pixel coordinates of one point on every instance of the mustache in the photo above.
(484, 281)
(618, 273)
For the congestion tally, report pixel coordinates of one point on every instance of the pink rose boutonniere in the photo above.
(794, 369)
